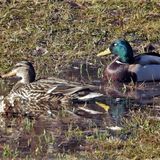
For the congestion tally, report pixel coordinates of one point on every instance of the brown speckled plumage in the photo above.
(37, 97)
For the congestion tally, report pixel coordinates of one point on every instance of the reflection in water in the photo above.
(81, 71)
(120, 97)
(86, 72)
(141, 93)
(45, 136)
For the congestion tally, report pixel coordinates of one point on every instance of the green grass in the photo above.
(139, 139)
(69, 32)
(81, 138)
(78, 30)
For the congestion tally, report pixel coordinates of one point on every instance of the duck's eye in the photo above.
(115, 44)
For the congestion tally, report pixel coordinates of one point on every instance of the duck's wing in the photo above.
(56, 85)
(51, 87)
(147, 58)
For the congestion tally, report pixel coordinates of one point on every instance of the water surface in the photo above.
(48, 135)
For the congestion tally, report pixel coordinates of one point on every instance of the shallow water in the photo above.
(48, 135)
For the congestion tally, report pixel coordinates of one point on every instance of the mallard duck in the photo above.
(126, 67)
(30, 95)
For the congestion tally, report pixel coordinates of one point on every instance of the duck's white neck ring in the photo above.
(119, 62)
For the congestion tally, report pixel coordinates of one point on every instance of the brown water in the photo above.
(45, 137)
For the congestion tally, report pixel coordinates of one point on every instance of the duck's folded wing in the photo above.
(147, 58)
(58, 86)
(147, 72)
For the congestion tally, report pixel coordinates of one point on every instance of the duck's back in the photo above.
(147, 58)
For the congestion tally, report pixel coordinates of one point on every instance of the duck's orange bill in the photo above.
(9, 74)
(105, 52)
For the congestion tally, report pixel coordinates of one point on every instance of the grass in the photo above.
(82, 139)
(78, 30)
(71, 30)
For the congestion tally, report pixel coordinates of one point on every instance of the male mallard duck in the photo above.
(33, 96)
(127, 67)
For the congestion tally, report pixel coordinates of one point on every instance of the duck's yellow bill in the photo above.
(106, 52)
(102, 105)
(9, 74)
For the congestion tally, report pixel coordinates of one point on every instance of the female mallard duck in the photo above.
(127, 67)
(30, 96)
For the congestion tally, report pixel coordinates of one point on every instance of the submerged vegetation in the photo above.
(55, 33)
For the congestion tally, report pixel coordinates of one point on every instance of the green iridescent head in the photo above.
(122, 49)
